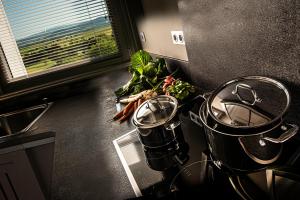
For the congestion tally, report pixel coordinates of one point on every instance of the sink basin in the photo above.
(21, 121)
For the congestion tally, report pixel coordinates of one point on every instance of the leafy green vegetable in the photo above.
(139, 60)
(150, 70)
(145, 73)
(162, 70)
(125, 89)
(180, 89)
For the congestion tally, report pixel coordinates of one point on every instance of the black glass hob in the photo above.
(200, 176)
(194, 177)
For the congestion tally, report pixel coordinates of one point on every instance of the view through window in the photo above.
(37, 35)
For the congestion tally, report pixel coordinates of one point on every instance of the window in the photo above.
(39, 36)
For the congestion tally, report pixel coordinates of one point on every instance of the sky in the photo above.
(28, 17)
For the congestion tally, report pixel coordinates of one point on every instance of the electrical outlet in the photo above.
(142, 37)
(177, 37)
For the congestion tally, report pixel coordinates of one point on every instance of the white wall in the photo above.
(161, 17)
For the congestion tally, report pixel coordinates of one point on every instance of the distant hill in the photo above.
(61, 31)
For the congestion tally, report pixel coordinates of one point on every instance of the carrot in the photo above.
(135, 105)
(128, 107)
(127, 115)
(139, 102)
(118, 115)
(123, 111)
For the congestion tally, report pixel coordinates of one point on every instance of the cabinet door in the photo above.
(17, 179)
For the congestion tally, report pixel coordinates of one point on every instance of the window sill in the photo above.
(58, 82)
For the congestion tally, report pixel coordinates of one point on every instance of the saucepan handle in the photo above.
(206, 95)
(194, 117)
(173, 125)
(288, 133)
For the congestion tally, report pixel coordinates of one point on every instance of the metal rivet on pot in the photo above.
(262, 143)
(284, 128)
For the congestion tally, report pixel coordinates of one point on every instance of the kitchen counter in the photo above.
(86, 165)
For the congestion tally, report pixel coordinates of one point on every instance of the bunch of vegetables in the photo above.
(177, 88)
(146, 80)
(146, 74)
(134, 101)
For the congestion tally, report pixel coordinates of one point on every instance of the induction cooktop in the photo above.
(193, 178)
(200, 176)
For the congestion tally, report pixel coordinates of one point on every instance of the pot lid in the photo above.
(251, 101)
(155, 112)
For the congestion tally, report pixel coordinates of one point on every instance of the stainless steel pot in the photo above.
(252, 103)
(243, 122)
(159, 130)
(169, 156)
(246, 152)
(157, 121)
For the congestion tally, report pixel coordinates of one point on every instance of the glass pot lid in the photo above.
(155, 112)
(247, 102)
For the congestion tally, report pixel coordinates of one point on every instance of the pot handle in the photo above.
(289, 133)
(204, 96)
(249, 88)
(180, 160)
(173, 125)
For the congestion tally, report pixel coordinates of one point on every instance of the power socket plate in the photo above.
(178, 37)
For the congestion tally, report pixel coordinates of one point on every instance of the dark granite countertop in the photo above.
(86, 164)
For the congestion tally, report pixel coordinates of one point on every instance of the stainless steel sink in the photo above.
(21, 121)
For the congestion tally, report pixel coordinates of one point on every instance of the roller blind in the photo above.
(39, 35)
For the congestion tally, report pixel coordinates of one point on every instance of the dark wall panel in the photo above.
(226, 39)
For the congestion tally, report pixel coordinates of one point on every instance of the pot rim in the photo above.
(236, 135)
(261, 78)
(143, 126)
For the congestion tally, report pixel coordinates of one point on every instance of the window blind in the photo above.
(38, 35)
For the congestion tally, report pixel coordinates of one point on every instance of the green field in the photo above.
(98, 42)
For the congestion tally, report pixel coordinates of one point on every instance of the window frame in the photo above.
(127, 40)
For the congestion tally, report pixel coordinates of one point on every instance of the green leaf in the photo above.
(125, 89)
(139, 60)
(146, 73)
(161, 66)
(181, 89)
(150, 69)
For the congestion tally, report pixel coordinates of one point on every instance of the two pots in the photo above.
(244, 122)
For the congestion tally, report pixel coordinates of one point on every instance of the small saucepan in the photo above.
(159, 131)
(157, 121)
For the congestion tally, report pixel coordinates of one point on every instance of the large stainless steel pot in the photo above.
(243, 122)
(252, 103)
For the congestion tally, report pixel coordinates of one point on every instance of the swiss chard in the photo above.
(145, 73)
